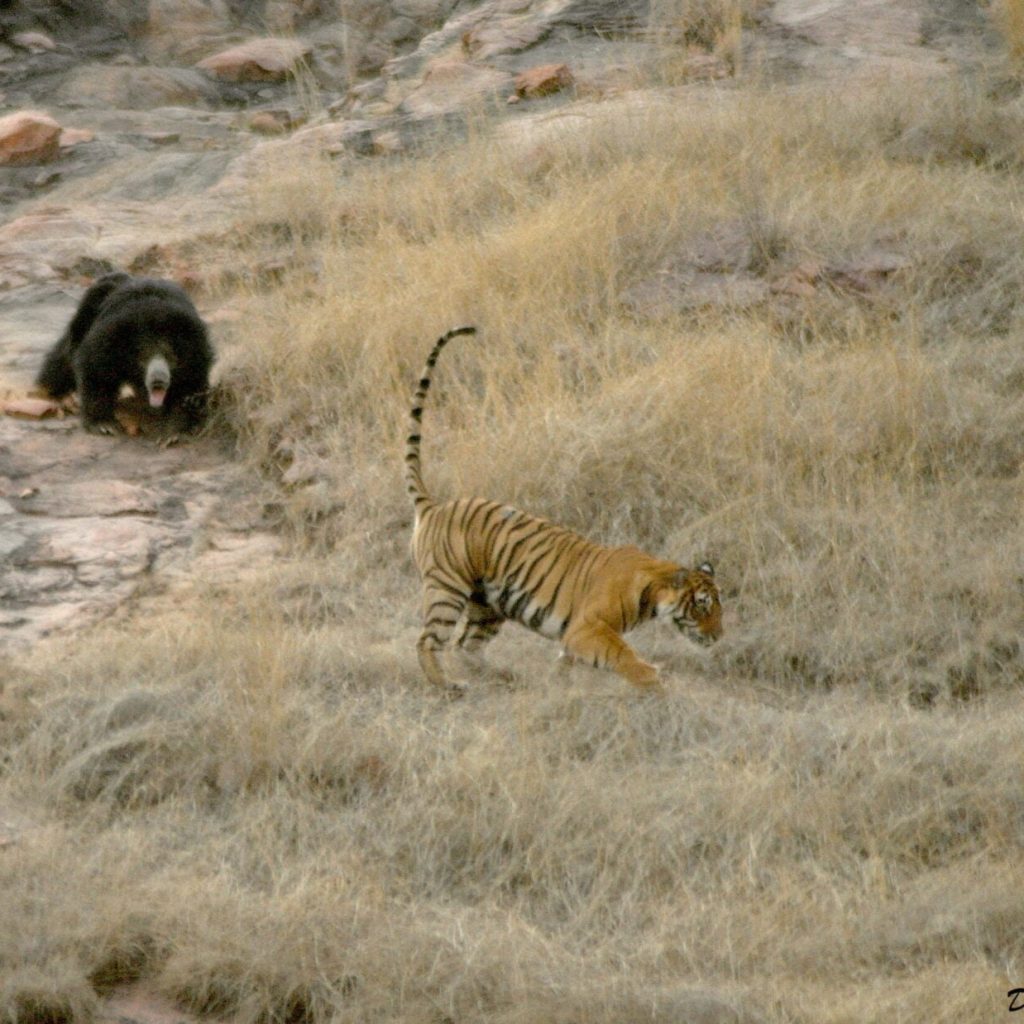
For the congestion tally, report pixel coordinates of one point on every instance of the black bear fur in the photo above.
(121, 324)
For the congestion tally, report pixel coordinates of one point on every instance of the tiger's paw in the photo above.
(647, 681)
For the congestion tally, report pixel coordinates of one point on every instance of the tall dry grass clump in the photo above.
(713, 26)
(256, 807)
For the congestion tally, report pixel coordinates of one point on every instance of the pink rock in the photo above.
(28, 137)
(259, 60)
(543, 80)
(267, 124)
(32, 408)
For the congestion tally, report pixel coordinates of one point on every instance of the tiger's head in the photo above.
(691, 602)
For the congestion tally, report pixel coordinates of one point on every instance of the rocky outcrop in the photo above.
(85, 520)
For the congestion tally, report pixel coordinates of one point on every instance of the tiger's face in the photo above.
(694, 606)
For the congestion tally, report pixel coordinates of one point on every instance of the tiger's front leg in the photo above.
(596, 643)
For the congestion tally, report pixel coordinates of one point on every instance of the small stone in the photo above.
(31, 408)
(45, 178)
(260, 60)
(28, 137)
(267, 124)
(387, 143)
(37, 42)
(398, 30)
(162, 138)
(543, 80)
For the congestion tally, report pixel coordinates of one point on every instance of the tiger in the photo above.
(483, 563)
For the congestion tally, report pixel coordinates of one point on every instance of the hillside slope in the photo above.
(749, 291)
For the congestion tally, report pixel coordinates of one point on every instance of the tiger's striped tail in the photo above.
(413, 476)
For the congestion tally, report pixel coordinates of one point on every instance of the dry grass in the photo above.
(687, 26)
(1008, 16)
(256, 804)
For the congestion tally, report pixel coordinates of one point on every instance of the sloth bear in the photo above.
(143, 332)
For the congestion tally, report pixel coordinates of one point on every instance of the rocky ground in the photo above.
(155, 126)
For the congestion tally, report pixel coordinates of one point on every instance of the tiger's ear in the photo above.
(682, 576)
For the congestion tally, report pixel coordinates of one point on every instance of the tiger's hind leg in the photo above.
(482, 626)
(442, 609)
(599, 645)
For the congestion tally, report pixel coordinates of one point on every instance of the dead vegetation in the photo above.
(256, 805)
(1008, 16)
